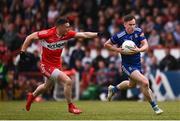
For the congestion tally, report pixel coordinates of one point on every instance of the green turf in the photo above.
(95, 110)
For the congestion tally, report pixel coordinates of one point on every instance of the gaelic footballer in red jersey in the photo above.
(52, 45)
(53, 41)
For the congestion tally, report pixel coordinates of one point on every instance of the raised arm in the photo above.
(28, 41)
(87, 34)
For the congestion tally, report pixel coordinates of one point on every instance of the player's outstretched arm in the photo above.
(87, 34)
(28, 41)
(109, 45)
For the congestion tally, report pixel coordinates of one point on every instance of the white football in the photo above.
(127, 46)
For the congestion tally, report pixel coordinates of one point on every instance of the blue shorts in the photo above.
(128, 69)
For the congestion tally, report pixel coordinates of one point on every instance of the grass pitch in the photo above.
(92, 110)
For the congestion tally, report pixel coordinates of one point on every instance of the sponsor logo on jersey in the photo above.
(55, 45)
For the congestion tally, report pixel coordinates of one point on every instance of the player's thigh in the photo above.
(138, 77)
(54, 74)
(60, 76)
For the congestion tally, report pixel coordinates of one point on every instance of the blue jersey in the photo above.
(137, 36)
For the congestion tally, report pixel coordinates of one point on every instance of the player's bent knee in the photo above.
(145, 83)
(131, 85)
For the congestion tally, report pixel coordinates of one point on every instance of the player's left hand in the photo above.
(135, 50)
(100, 34)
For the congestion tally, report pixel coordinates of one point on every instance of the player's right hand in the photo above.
(120, 50)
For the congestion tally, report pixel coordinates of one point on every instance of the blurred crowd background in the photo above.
(96, 66)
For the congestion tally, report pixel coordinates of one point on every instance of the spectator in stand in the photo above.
(87, 57)
(88, 77)
(3, 49)
(3, 80)
(176, 35)
(171, 24)
(169, 62)
(89, 26)
(52, 14)
(98, 58)
(150, 60)
(66, 55)
(149, 24)
(169, 40)
(77, 53)
(154, 39)
(10, 37)
(11, 85)
(18, 22)
(22, 33)
(79, 68)
(102, 75)
(114, 57)
(158, 24)
(2, 30)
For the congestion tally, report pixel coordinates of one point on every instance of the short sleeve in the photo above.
(43, 34)
(142, 36)
(71, 34)
(140, 33)
(114, 39)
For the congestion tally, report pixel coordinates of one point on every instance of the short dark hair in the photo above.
(128, 17)
(61, 21)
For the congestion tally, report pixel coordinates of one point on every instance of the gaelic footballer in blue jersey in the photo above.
(131, 63)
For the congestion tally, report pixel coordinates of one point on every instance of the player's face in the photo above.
(63, 29)
(130, 26)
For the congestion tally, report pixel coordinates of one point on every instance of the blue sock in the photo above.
(153, 104)
(115, 89)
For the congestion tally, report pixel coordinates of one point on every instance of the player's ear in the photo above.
(59, 26)
(125, 23)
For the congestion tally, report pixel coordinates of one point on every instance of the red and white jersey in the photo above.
(52, 46)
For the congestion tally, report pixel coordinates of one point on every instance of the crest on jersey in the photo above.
(130, 68)
(136, 36)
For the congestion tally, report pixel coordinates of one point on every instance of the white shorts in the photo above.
(49, 72)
